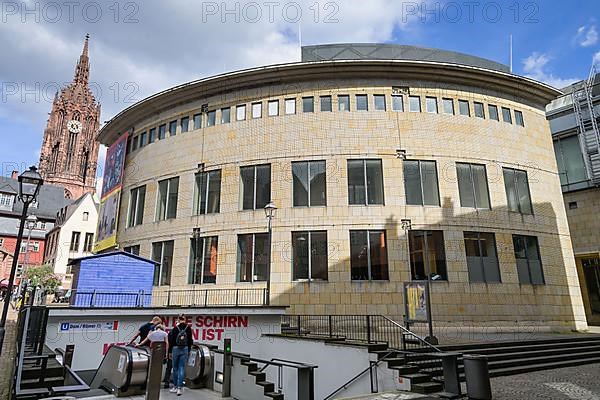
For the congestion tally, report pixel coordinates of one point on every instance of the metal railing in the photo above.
(166, 298)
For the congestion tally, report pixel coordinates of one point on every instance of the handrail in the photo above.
(274, 361)
(408, 332)
(353, 379)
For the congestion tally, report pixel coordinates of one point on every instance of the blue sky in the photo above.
(152, 45)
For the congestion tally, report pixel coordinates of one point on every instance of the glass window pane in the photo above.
(318, 184)
(571, 165)
(417, 254)
(343, 103)
(511, 189)
(152, 135)
(201, 181)
(240, 112)
(211, 118)
(162, 200)
(226, 115)
(245, 258)
(412, 183)
(156, 256)
(523, 191)
(448, 105)
(523, 271)
(478, 107)
(465, 185)
(493, 112)
(362, 103)
(506, 115)
(431, 196)
(263, 186)
(162, 132)
(173, 195)
(167, 263)
(273, 108)
(491, 267)
(318, 254)
(290, 106)
(414, 103)
(374, 182)
(519, 118)
(132, 207)
(214, 192)
(431, 105)
(520, 247)
(261, 256)
(308, 104)
(210, 260)
(256, 110)
(300, 183)
(379, 100)
(356, 182)
(141, 202)
(463, 108)
(197, 121)
(436, 255)
(378, 253)
(173, 128)
(143, 139)
(300, 255)
(482, 199)
(397, 103)
(325, 103)
(359, 263)
(247, 190)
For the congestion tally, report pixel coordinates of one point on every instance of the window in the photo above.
(162, 253)
(207, 192)
(185, 124)
(493, 112)
(421, 183)
(309, 183)
(571, 166)
(290, 106)
(168, 192)
(203, 260)
(172, 128)
(143, 139)
(240, 112)
(134, 143)
(256, 186)
(75, 238)
(478, 109)
(308, 104)
(162, 132)
(152, 135)
(1, 242)
(362, 102)
(506, 116)
(482, 257)
(431, 105)
(343, 102)
(463, 108)
(273, 108)
(414, 104)
(256, 110)
(519, 118)
(309, 255)
(6, 200)
(137, 202)
(135, 250)
(368, 256)
(397, 103)
(129, 147)
(472, 185)
(197, 121)
(86, 216)
(529, 264)
(35, 247)
(379, 100)
(326, 103)
(226, 115)
(448, 106)
(365, 182)
(89, 242)
(427, 255)
(253, 257)
(211, 118)
(517, 191)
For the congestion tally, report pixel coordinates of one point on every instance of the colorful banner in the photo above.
(416, 297)
(114, 168)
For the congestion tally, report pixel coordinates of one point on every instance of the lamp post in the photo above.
(30, 182)
(270, 214)
(30, 224)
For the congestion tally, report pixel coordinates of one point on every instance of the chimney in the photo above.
(14, 175)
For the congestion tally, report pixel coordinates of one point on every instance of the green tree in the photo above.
(44, 277)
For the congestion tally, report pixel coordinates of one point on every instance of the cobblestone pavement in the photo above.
(7, 361)
(573, 383)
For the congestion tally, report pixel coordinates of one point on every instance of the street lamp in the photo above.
(30, 224)
(270, 214)
(30, 182)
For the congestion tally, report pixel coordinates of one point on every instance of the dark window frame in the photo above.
(366, 182)
(309, 257)
(197, 262)
(369, 259)
(309, 164)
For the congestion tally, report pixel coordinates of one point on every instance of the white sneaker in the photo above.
(173, 390)
(179, 391)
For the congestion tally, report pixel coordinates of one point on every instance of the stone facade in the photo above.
(339, 136)
(69, 154)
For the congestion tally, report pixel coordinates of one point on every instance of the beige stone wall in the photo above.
(583, 220)
(339, 136)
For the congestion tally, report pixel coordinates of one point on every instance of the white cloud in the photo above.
(597, 57)
(587, 36)
(536, 67)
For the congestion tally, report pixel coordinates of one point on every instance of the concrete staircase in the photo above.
(261, 380)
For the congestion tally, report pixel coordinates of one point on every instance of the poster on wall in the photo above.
(416, 297)
(114, 166)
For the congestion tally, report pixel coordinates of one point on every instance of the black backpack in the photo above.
(181, 339)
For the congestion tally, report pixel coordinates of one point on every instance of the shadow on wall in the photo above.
(534, 294)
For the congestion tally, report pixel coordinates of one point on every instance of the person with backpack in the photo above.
(180, 340)
(145, 329)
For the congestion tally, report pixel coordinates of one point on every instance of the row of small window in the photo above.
(368, 257)
(365, 187)
(325, 105)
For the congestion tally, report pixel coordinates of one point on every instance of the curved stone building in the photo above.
(373, 155)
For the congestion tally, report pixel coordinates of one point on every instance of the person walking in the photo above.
(180, 339)
(157, 335)
(145, 329)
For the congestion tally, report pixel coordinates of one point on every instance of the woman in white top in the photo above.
(157, 335)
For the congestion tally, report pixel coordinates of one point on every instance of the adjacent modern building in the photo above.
(577, 145)
(386, 163)
(72, 236)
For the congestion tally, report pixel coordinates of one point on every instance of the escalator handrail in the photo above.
(125, 387)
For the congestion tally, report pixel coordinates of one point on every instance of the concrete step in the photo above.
(394, 362)
(405, 369)
(426, 387)
(275, 395)
(417, 377)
